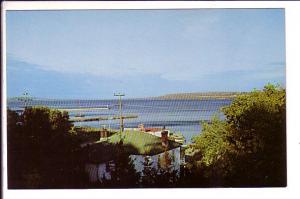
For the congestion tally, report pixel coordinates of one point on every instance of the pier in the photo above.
(84, 109)
(88, 119)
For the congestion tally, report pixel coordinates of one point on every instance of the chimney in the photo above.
(103, 133)
(141, 127)
(164, 138)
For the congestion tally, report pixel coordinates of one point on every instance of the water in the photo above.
(182, 116)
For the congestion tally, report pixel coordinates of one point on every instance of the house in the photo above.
(99, 161)
(144, 149)
(153, 130)
(168, 160)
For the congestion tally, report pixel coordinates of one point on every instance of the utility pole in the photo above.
(120, 95)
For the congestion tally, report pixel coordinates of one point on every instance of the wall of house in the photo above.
(98, 172)
(157, 133)
(169, 160)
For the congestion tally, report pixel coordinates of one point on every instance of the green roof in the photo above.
(140, 143)
(134, 143)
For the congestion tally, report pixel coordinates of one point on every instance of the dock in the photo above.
(84, 109)
(89, 119)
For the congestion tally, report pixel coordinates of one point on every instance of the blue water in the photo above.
(182, 116)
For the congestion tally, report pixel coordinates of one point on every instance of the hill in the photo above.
(201, 95)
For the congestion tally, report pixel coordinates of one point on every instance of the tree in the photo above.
(41, 151)
(258, 134)
(214, 152)
(40, 122)
(124, 173)
(249, 147)
(14, 151)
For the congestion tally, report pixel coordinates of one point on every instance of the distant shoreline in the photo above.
(174, 96)
(200, 95)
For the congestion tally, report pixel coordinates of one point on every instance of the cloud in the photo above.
(179, 46)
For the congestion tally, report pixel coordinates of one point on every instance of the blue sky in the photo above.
(92, 54)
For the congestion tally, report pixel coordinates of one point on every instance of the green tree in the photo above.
(215, 151)
(41, 151)
(41, 122)
(14, 151)
(249, 147)
(124, 173)
(59, 121)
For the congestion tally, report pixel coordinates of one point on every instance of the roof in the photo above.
(153, 129)
(134, 143)
(140, 143)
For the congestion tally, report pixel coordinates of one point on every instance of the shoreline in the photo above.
(175, 96)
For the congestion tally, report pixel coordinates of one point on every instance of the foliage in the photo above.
(211, 142)
(161, 175)
(124, 174)
(41, 151)
(249, 148)
(13, 125)
(258, 120)
(38, 121)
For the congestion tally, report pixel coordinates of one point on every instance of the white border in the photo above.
(77, 5)
(292, 10)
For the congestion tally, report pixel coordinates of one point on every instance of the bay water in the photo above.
(179, 116)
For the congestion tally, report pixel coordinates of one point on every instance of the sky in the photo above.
(92, 54)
